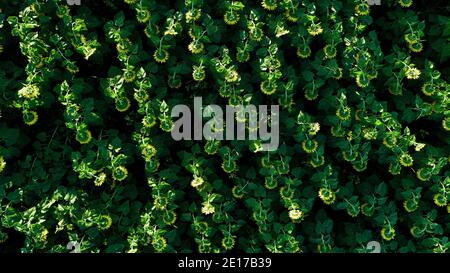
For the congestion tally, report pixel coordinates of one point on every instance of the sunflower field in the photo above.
(87, 156)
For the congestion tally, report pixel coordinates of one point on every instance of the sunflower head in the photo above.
(388, 233)
(405, 3)
(161, 55)
(30, 117)
(120, 173)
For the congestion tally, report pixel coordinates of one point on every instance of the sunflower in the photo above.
(428, 89)
(330, 51)
(423, 174)
(231, 76)
(295, 214)
(161, 55)
(406, 160)
(129, 75)
(193, 15)
(291, 16)
(388, 233)
(411, 38)
(242, 55)
(286, 192)
(270, 183)
(338, 73)
(198, 73)
(197, 181)
(314, 29)
(349, 155)
(120, 173)
(337, 131)
(412, 73)
(362, 9)
(29, 92)
(395, 168)
(229, 166)
(159, 243)
(405, 3)
(208, 208)
(228, 242)
(440, 199)
(353, 211)
(268, 87)
(327, 196)
(148, 151)
(30, 117)
(304, 51)
(343, 113)
(269, 4)
(415, 47)
(390, 141)
(237, 192)
(446, 123)
(143, 15)
(104, 222)
(256, 34)
(83, 136)
(359, 165)
(149, 121)
(2, 164)
(169, 217)
(231, 18)
(100, 179)
(196, 47)
(410, 205)
(311, 94)
(416, 232)
(122, 104)
(367, 209)
(310, 145)
(362, 80)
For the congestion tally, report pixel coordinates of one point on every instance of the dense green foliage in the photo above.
(86, 152)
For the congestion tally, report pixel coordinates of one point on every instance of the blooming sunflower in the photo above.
(83, 136)
(440, 199)
(295, 214)
(309, 145)
(330, 51)
(406, 160)
(122, 104)
(428, 89)
(208, 208)
(196, 47)
(410, 205)
(412, 73)
(446, 123)
(30, 117)
(268, 87)
(327, 196)
(161, 55)
(304, 51)
(423, 174)
(238, 193)
(314, 29)
(388, 233)
(231, 18)
(405, 3)
(120, 173)
(228, 242)
(362, 9)
(2, 164)
(415, 46)
(269, 4)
